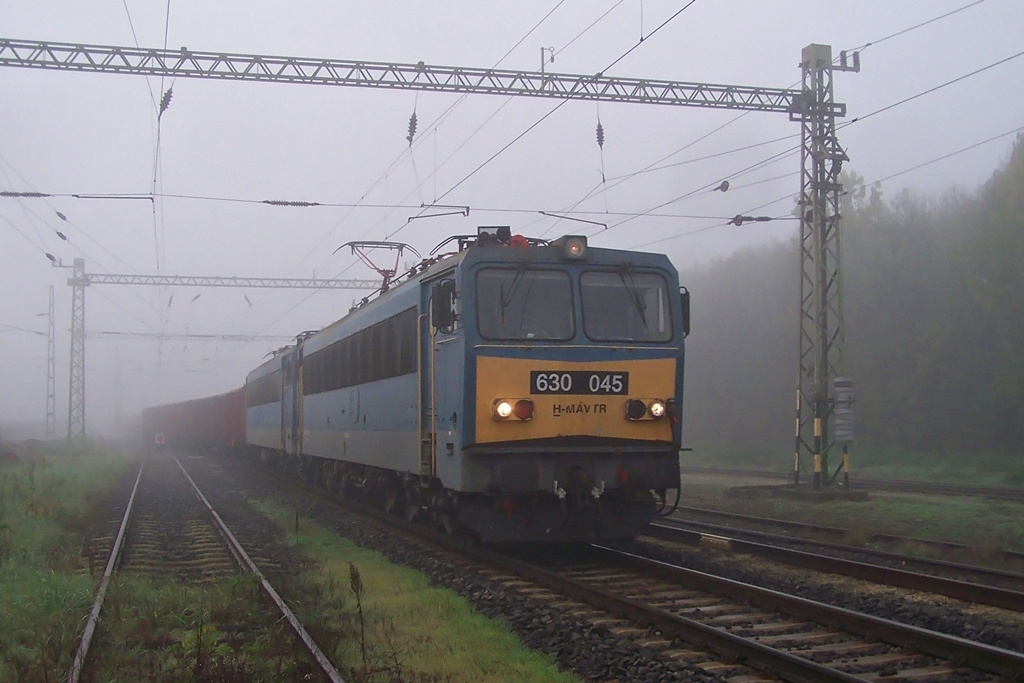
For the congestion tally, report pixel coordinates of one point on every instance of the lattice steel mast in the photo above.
(51, 372)
(81, 280)
(813, 105)
(821, 303)
(76, 386)
(185, 63)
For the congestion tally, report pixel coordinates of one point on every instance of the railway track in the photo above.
(973, 584)
(797, 639)
(814, 533)
(170, 530)
(1010, 493)
(687, 624)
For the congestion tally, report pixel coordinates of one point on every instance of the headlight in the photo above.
(573, 247)
(502, 409)
(645, 409)
(518, 408)
(656, 409)
(635, 409)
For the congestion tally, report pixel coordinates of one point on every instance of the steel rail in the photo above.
(722, 643)
(838, 531)
(115, 554)
(986, 572)
(785, 665)
(967, 591)
(239, 552)
(946, 647)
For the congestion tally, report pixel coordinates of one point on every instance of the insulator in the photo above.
(62, 216)
(286, 202)
(412, 128)
(600, 135)
(11, 193)
(165, 101)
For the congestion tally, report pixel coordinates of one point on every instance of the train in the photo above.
(514, 389)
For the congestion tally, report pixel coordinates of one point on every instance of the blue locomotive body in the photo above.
(525, 392)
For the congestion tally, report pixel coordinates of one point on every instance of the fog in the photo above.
(182, 189)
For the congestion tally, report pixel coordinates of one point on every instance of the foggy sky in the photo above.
(225, 146)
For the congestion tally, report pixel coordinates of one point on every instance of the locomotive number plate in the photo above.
(578, 382)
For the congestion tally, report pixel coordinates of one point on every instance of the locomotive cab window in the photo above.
(524, 304)
(625, 305)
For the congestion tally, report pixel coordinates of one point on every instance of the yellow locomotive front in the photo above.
(610, 397)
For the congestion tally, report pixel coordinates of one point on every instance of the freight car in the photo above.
(515, 389)
(202, 423)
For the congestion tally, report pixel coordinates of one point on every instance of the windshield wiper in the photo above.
(634, 291)
(504, 301)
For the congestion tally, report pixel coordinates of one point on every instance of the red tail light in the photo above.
(524, 409)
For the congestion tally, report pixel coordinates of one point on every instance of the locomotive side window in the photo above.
(386, 349)
(524, 304)
(263, 390)
(625, 306)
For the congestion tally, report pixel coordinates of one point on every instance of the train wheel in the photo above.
(412, 501)
(445, 513)
(391, 496)
(445, 521)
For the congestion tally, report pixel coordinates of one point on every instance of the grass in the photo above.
(42, 611)
(160, 630)
(988, 525)
(379, 621)
(412, 629)
(149, 630)
(46, 588)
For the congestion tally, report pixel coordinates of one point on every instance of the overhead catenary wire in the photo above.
(931, 90)
(789, 196)
(759, 164)
(795, 150)
(165, 100)
(433, 125)
(915, 27)
(558, 106)
(79, 231)
(521, 135)
(509, 99)
(135, 39)
(656, 165)
(15, 328)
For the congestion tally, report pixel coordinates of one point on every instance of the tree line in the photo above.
(934, 325)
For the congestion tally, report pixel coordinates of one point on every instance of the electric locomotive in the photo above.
(516, 389)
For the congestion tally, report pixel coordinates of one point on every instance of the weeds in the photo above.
(356, 584)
